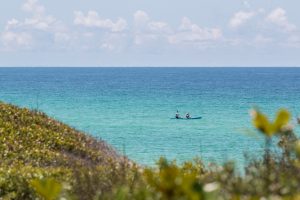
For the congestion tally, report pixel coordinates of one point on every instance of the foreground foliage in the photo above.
(45, 159)
(34, 146)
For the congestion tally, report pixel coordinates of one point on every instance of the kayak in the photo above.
(187, 118)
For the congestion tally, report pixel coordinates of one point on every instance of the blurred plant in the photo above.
(268, 128)
(174, 182)
(48, 189)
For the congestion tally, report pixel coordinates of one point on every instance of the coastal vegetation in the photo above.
(42, 158)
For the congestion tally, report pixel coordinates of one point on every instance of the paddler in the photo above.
(188, 115)
(177, 116)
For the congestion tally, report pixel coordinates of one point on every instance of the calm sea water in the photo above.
(131, 107)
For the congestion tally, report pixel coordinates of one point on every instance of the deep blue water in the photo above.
(131, 107)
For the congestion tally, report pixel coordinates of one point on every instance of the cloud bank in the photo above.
(91, 31)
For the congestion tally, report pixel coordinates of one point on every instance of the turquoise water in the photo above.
(131, 107)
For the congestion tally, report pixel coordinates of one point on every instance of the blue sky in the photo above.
(150, 33)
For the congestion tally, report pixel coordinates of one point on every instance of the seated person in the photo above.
(177, 116)
(188, 115)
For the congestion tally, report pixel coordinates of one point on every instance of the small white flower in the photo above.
(210, 187)
(253, 113)
(288, 127)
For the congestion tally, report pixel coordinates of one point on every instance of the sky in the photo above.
(150, 33)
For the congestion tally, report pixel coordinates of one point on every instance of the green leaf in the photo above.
(262, 123)
(49, 189)
(268, 128)
(282, 119)
(297, 148)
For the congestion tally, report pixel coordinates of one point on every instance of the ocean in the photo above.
(131, 108)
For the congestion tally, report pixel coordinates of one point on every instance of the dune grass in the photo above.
(32, 145)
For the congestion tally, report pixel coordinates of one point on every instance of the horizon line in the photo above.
(144, 66)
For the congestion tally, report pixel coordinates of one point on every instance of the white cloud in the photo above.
(192, 33)
(287, 34)
(268, 29)
(108, 46)
(13, 40)
(39, 20)
(46, 23)
(13, 23)
(114, 42)
(141, 18)
(33, 7)
(278, 17)
(92, 19)
(90, 31)
(158, 26)
(151, 33)
(37, 29)
(96, 33)
(148, 31)
(240, 18)
(145, 24)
